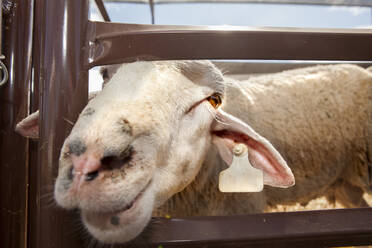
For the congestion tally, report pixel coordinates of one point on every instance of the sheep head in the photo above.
(144, 138)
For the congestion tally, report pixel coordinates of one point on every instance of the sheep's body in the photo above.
(156, 130)
(319, 119)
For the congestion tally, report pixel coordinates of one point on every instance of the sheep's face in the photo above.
(141, 140)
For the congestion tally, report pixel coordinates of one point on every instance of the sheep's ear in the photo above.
(229, 130)
(29, 127)
(107, 72)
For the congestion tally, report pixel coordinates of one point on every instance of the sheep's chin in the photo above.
(123, 225)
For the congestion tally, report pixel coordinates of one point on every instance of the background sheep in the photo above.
(318, 118)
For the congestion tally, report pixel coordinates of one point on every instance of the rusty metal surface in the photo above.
(62, 75)
(102, 10)
(13, 108)
(341, 227)
(117, 43)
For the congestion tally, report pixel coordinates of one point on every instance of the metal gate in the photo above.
(53, 45)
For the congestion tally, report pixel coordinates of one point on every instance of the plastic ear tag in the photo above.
(241, 176)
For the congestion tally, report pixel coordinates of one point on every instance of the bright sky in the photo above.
(258, 15)
(243, 14)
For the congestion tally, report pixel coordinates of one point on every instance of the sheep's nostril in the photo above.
(108, 160)
(116, 161)
(91, 175)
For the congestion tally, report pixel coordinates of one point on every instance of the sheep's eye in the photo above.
(105, 74)
(215, 100)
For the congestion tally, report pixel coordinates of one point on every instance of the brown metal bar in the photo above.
(249, 68)
(102, 10)
(1, 25)
(13, 108)
(34, 171)
(152, 10)
(361, 3)
(340, 227)
(62, 73)
(117, 43)
(34, 207)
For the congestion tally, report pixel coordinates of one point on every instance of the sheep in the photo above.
(318, 118)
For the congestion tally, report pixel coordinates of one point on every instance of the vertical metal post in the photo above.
(152, 10)
(13, 108)
(1, 27)
(61, 72)
(102, 10)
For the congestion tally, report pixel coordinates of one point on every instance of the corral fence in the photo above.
(49, 47)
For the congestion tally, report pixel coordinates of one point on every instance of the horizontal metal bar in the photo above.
(292, 229)
(361, 3)
(116, 43)
(248, 67)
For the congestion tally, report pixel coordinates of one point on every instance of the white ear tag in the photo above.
(241, 176)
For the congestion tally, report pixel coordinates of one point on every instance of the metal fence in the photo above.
(53, 43)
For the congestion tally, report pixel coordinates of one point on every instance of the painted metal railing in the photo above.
(53, 43)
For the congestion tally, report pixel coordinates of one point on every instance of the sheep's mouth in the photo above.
(129, 206)
(112, 219)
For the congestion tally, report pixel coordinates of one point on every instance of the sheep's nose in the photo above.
(86, 166)
(85, 163)
(89, 162)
